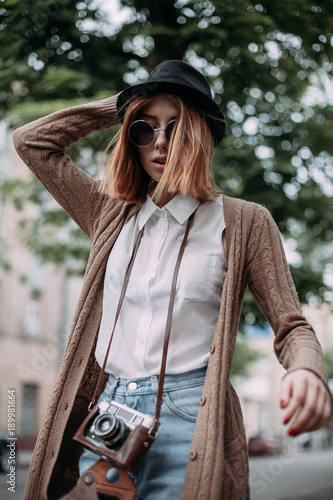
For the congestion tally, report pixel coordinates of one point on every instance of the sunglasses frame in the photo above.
(154, 130)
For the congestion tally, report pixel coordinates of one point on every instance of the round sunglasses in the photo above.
(142, 134)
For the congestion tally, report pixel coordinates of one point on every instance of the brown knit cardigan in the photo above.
(218, 464)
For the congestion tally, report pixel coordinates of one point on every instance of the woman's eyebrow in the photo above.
(152, 117)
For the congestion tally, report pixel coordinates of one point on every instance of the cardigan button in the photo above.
(193, 455)
(212, 348)
(88, 479)
(202, 400)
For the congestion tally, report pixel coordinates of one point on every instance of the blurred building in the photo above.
(259, 393)
(36, 304)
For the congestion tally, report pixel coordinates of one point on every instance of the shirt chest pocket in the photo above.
(201, 278)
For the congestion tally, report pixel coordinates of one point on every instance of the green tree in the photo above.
(328, 355)
(53, 50)
(270, 73)
(245, 356)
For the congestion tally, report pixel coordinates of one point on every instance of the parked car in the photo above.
(265, 444)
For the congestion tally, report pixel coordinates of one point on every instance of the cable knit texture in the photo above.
(218, 464)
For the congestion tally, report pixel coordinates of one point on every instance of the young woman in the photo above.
(157, 176)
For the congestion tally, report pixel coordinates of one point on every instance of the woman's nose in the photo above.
(160, 138)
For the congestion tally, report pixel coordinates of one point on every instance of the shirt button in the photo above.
(193, 455)
(132, 386)
(202, 400)
(212, 348)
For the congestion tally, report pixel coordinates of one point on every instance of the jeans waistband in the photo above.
(150, 384)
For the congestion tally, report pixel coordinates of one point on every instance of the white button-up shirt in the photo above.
(136, 349)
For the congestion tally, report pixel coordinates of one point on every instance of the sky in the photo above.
(117, 15)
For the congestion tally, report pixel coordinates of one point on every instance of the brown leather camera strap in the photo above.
(156, 422)
(120, 303)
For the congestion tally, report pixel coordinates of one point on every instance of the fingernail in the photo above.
(291, 432)
(282, 403)
(286, 420)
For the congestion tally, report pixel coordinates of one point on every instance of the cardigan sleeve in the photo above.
(42, 143)
(271, 284)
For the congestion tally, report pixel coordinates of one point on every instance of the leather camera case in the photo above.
(132, 450)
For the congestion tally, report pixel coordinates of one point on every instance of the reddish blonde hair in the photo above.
(188, 164)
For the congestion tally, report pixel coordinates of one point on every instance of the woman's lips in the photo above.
(159, 164)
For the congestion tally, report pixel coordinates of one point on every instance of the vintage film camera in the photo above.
(114, 423)
(117, 433)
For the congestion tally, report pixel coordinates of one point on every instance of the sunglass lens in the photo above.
(141, 133)
(169, 129)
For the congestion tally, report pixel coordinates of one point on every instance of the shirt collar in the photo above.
(181, 208)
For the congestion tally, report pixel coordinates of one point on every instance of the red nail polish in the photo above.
(291, 432)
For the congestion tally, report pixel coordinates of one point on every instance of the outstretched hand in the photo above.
(306, 400)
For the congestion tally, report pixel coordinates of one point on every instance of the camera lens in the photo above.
(106, 426)
(112, 430)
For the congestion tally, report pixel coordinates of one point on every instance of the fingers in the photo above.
(297, 389)
(309, 409)
(285, 392)
(324, 407)
(306, 401)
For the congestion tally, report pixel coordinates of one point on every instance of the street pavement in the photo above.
(294, 475)
(20, 480)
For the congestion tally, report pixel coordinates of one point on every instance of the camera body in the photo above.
(117, 433)
(114, 423)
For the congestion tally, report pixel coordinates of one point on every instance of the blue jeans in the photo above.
(161, 472)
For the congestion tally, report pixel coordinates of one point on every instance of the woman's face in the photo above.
(158, 113)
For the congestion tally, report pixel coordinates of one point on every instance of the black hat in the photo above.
(178, 78)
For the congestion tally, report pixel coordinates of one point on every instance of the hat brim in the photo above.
(215, 118)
